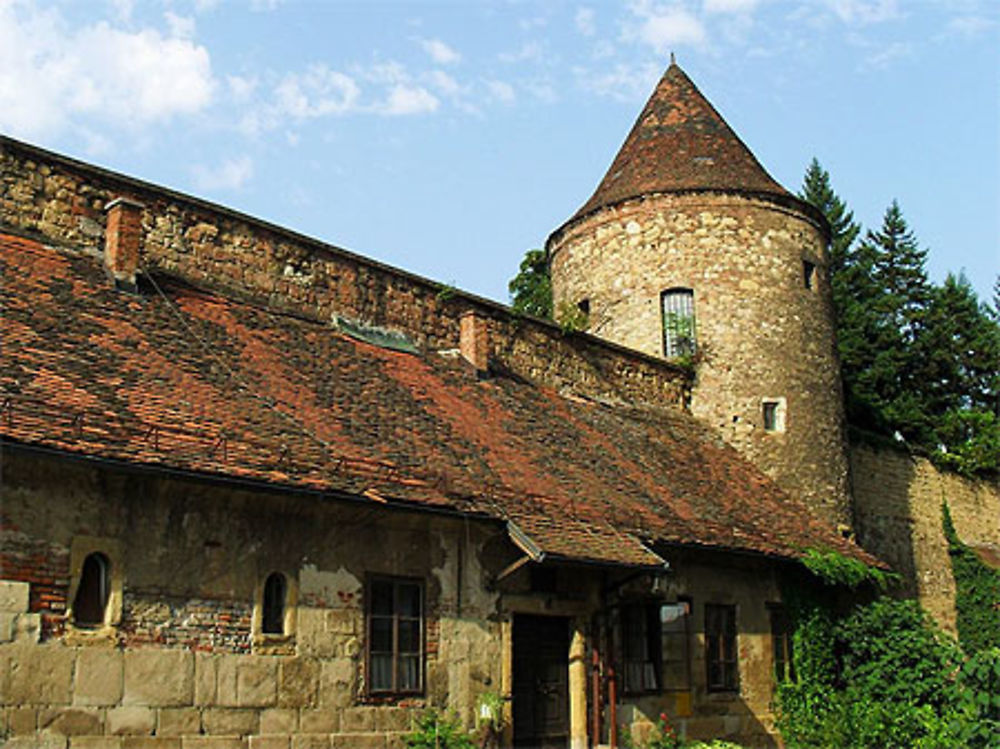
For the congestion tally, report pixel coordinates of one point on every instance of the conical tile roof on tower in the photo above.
(680, 143)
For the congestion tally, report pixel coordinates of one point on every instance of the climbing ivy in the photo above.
(977, 593)
(833, 568)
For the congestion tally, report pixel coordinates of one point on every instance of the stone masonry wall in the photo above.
(898, 501)
(184, 668)
(761, 333)
(62, 201)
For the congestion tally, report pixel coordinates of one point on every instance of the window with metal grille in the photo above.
(781, 641)
(395, 636)
(273, 614)
(720, 648)
(677, 308)
(93, 591)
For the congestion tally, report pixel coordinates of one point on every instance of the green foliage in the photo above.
(817, 190)
(879, 677)
(919, 361)
(664, 736)
(834, 568)
(531, 289)
(434, 731)
(977, 594)
(976, 723)
(571, 318)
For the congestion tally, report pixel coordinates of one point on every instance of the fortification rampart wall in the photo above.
(898, 500)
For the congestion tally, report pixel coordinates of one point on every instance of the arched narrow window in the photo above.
(273, 615)
(93, 591)
(677, 306)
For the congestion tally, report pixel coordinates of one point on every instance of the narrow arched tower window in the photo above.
(93, 591)
(677, 306)
(273, 615)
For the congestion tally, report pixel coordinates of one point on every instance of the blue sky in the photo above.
(449, 137)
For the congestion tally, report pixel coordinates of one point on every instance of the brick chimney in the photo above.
(474, 340)
(122, 238)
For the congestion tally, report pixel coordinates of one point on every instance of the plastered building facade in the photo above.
(261, 492)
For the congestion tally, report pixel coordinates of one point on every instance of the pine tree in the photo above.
(531, 289)
(817, 191)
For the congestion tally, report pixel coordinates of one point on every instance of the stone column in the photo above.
(578, 684)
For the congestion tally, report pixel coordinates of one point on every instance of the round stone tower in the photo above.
(690, 250)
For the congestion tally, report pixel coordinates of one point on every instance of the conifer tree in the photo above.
(817, 191)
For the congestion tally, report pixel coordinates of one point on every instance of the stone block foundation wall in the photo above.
(63, 201)
(898, 500)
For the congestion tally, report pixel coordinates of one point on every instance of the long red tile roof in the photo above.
(186, 379)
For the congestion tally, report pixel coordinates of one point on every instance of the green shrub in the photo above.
(434, 731)
(976, 723)
(977, 593)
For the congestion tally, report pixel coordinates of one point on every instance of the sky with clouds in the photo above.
(448, 137)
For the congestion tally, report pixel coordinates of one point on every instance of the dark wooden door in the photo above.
(541, 682)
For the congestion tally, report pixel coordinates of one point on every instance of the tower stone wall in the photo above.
(762, 333)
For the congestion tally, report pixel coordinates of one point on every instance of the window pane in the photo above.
(273, 619)
(92, 592)
(409, 600)
(381, 598)
(381, 677)
(409, 673)
(381, 635)
(678, 322)
(409, 636)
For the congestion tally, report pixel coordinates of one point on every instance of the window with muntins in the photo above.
(395, 636)
(93, 592)
(781, 641)
(274, 603)
(641, 656)
(675, 638)
(677, 311)
(720, 647)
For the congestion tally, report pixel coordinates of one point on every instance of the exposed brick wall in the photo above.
(63, 201)
(42, 564)
(217, 625)
(898, 501)
(761, 332)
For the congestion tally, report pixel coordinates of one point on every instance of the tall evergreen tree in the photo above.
(817, 190)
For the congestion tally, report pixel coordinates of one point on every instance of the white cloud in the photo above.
(440, 52)
(888, 54)
(317, 92)
(969, 26)
(864, 12)
(527, 51)
(122, 9)
(203, 6)
(584, 20)
(231, 174)
(622, 82)
(443, 83)
(52, 77)
(403, 100)
(662, 27)
(262, 6)
(730, 6)
(241, 87)
(501, 91)
(181, 27)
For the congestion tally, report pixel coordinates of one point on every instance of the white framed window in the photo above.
(678, 322)
(773, 414)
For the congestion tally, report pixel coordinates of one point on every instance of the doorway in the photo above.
(541, 682)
